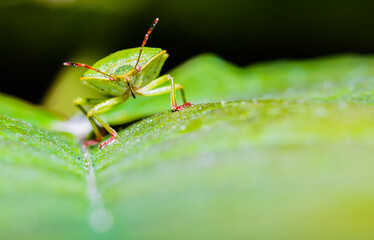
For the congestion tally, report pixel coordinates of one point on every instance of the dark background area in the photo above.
(37, 36)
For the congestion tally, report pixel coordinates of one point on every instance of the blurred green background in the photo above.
(37, 36)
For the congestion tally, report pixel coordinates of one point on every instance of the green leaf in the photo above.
(42, 182)
(243, 169)
(16, 108)
(208, 78)
(289, 157)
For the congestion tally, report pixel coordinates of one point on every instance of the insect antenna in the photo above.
(89, 67)
(137, 67)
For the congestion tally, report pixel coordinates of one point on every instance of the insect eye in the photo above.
(138, 68)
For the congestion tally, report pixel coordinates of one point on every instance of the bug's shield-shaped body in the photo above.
(122, 63)
(115, 75)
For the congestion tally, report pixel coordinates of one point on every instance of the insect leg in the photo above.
(103, 107)
(80, 102)
(149, 90)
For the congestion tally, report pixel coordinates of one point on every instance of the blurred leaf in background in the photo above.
(16, 108)
(208, 78)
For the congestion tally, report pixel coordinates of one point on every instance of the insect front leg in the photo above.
(102, 107)
(149, 90)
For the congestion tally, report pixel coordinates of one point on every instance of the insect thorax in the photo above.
(123, 70)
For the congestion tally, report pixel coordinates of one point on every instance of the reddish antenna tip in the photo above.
(66, 63)
(137, 68)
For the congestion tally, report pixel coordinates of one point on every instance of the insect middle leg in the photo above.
(149, 90)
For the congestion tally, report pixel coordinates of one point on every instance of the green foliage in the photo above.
(270, 169)
(209, 78)
(41, 182)
(16, 108)
(292, 160)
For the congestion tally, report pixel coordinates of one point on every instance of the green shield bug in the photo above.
(122, 74)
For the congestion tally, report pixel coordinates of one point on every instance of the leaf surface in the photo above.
(208, 78)
(280, 151)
